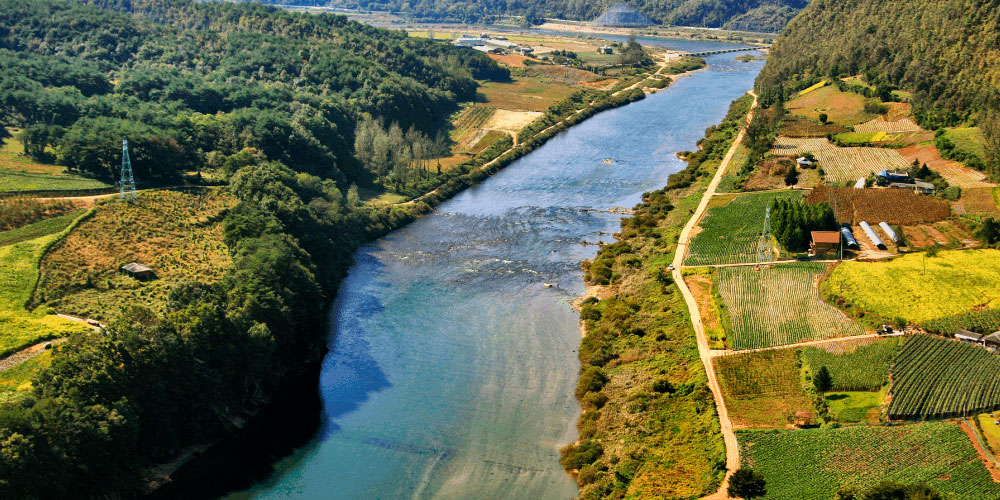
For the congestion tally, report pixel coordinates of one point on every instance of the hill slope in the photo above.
(947, 53)
(751, 15)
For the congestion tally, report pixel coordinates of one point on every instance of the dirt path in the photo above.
(732, 446)
(26, 354)
(812, 343)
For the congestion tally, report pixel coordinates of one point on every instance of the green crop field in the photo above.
(762, 389)
(861, 365)
(934, 377)
(812, 464)
(730, 233)
(917, 288)
(40, 228)
(20, 328)
(20, 181)
(779, 306)
(984, 321)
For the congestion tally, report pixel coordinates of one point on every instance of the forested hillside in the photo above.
(191, 82)
(751, 15)
(947, 53)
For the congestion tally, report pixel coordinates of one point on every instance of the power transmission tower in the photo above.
(127, 186)
(765, 251)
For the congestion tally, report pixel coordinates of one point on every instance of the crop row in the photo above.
(812, 464)
(936, 378)
(730, 234)
(882, 125)
(865, 368)
(895, 206)
(842, 164)
(779, 306)
(984, 321)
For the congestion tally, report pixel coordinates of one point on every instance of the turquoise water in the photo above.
(452, 367)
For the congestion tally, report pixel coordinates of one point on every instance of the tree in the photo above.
(747, 484)
(822, 118)
(990, 125)
(822, 379)
(989, 232)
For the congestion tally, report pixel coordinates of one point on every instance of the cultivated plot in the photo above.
(779, 306)
(730, 233)
(842, 164)
(895, 206)
(812, 464)
(859, 365)
(934, 377)
(762, 389)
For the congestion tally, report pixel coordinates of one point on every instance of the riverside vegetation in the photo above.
(206, 93)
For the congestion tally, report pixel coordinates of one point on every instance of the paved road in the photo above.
(732, 446)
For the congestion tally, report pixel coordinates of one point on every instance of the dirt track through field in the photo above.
(726, 425)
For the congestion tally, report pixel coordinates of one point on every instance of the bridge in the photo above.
(725, 51)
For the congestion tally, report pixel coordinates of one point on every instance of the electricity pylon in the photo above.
(127, 185)
(765, 251)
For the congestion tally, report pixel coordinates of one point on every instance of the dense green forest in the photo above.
(947, 53)
(271, 99)
(750, 15)
(192, 83)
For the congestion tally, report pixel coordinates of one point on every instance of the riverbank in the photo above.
(643, 388)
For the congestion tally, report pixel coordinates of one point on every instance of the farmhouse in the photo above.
(606, 50)
(992, 341)
(824, 242)
(969, 337)
(886, 177)
(138, 271)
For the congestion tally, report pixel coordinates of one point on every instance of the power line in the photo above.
(127, 183)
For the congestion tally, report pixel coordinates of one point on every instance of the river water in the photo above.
(452, 367)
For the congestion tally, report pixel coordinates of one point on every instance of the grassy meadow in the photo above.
(177, 233)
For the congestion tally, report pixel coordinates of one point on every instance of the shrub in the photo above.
(583, 454)
(592, 379)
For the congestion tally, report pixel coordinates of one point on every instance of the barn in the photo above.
(824, 242)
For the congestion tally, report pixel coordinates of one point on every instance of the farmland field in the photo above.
(954, 172)
(985, 321)
(812, 464)
(40, 228)
(895, 206)
(20, 173)
(880, 124)
(524, 94)
(861, 365)
(842, 164)
(729, 234)
(20, 328)
(916, 288)
(178, 234)
(944, 233)
(467, 122)
(978, 201)
(762, 389)
(779, 306)
(934, 377)
(842, 108)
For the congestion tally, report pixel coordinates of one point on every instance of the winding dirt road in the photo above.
(732, 446)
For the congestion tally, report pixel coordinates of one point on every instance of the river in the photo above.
(452, 366)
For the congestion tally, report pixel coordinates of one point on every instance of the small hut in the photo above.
(138, 271)
(804, 419)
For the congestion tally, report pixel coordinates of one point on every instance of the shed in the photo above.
(923, 187)
(804, 418)
(867, 228)
(860, 184)
(138, 271)
(992, 341)
(606, 49)
(849, 240)
(970, 337)
(804, 162)
(889, 232)
(823, 242)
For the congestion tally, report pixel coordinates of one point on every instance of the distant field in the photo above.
(967, 139)
(978, 201)
(467, 122)
(524, 94)
(762, 389)
(812, 464)
(19, 173)
(37, 229)
(916, 288)
(729, 232)
(934, 377)
(954, 172)
(842, 164)
(20, 328)
(841, 108)
(178, 234)
(779, 306)
(882, 125)
(984, 321)
(861, 365)
(895, 206)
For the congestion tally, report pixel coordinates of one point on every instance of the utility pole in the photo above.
(127, 181)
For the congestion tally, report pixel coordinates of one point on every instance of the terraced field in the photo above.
(934, 377)
(880, 124)
(812, 464)
(842, 164)
(779, 306)
(729, 233)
